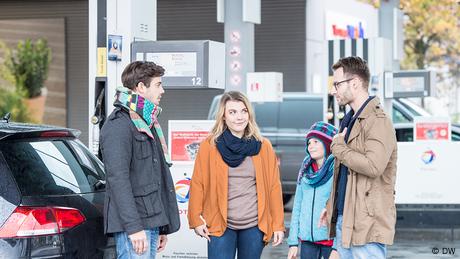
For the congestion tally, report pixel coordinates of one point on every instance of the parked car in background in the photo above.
(405, 132)
(285, 124)
(404, 112)
(51, 195)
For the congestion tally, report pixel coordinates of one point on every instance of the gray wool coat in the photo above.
(139, 188)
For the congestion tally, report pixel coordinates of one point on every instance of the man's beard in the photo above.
(343, 101)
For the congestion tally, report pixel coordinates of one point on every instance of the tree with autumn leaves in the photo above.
(432, 40)
(432, 33)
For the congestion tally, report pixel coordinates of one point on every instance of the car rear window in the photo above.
(297, 115)
(455, 136)
(266, 115)
(399, 117)
(405, 134)
(52, 167)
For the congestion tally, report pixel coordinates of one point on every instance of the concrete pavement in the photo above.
(409, 243)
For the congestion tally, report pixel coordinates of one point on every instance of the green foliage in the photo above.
(12, 102)
(29, 63)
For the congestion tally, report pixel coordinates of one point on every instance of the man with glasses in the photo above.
(361, 212)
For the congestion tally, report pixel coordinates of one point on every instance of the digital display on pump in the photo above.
(409, 84)
(176, 64)
(188, 64)
(405, 84)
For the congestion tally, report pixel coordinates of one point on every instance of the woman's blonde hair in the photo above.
(252, 130)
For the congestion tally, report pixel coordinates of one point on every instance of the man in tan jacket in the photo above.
(361, 212)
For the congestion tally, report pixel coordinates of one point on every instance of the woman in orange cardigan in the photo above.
(235, 192)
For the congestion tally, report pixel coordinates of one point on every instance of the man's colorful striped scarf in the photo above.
(143, 113)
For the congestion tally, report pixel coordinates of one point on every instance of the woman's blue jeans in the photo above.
(247, 242)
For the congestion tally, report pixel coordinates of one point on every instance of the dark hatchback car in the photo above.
(51, 195)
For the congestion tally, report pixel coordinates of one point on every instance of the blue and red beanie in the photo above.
(324, 132)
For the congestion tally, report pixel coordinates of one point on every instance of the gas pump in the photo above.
(125, 32)
(114, 25)
(98, 120)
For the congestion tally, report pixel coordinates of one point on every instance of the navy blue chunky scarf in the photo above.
(234, 150)
(315, 179)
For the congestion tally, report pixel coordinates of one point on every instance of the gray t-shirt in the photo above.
(242, 196)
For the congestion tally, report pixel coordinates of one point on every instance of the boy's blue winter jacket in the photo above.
(308, 204)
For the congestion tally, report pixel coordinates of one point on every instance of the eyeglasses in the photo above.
(337, 84)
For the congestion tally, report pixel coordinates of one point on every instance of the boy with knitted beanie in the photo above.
(313, 189)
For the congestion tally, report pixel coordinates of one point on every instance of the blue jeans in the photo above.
(309, 250)
(125, 247)
(367, 251)
(249, 243)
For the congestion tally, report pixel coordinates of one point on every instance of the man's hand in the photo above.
(292, 254)
(277, 238)
(341, 134)
(139, 242)
(323, 218)
(203, 231)
(163, 239)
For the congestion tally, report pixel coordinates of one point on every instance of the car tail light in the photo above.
(37, 221)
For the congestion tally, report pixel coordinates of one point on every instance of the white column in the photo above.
(239, 17)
